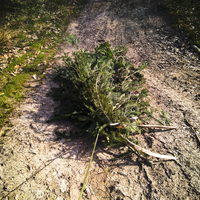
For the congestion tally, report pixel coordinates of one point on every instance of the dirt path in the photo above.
(33, 165)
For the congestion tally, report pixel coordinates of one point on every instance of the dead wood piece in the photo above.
(157, 126)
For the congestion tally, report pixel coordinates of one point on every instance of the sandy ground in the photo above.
(33, 165)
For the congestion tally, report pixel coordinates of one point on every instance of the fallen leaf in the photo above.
(45, 62)
(17, 67)
(6, 56)
(34, 37)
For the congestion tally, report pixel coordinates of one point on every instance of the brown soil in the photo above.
(34, 165)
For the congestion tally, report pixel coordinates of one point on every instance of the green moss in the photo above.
(22, 36)
(37, 45)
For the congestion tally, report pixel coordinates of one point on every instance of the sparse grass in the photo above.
(187, 17)
(29, 33)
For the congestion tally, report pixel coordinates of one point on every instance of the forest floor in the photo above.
(34, 165)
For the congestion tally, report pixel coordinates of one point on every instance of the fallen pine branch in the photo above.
(108, 98)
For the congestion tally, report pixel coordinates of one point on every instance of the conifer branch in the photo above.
(103, 86)
(106, 87)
